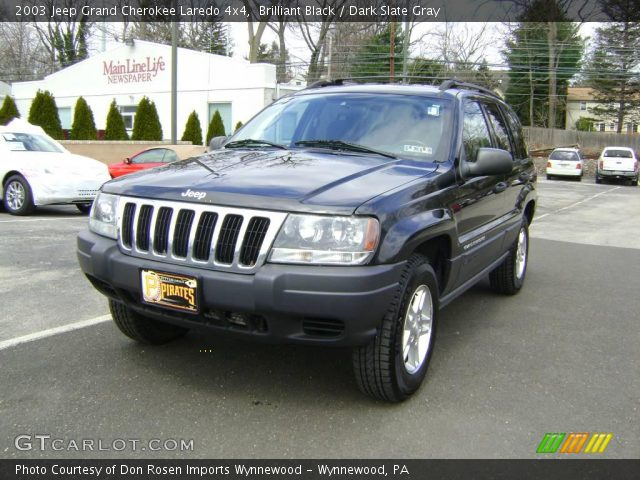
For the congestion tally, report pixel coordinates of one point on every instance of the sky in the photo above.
(299, 51)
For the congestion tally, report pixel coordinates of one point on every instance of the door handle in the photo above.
(500, 187)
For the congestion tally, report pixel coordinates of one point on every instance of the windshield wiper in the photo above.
(340, 145)
(250, 142)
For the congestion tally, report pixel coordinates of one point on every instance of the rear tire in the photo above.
(393, 365)
(598, 180)
(18, 199)
(508, 277)
(143, 329)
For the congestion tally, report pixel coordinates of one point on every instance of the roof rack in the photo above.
(454, 83)
(327, 83)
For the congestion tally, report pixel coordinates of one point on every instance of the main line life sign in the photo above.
(131, 71)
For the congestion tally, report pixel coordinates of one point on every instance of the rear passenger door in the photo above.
(523, 173)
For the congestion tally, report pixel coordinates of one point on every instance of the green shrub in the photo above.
(44, 112)
(146, 124)
(238, 125)
(115, 129)
(84, 127)
(193, 130)
(8, 111)
(216, 127)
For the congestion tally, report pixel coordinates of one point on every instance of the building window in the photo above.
(601, 127)
(583, 106)
(64, 114)
(128, 112)
(612, 126)
(225, 112)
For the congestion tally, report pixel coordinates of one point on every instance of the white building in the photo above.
(580, 101)
(206, 83)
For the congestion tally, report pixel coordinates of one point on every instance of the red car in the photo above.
(152, 157)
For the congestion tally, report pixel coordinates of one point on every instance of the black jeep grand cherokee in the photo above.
(342, 215)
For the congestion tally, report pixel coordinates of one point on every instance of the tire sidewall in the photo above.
(518, 282)
(28, 201)
(408, 383)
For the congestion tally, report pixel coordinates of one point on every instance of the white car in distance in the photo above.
(617, 163)
(36, 170)
(565, 162)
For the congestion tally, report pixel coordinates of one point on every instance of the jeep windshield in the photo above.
(393, 125)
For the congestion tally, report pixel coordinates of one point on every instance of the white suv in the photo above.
(619, 163)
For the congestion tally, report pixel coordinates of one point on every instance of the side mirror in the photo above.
(127, 161)
(216, 143)
(489, 161)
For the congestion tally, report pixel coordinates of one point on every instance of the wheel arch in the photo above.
(438, 250)
(529, 211)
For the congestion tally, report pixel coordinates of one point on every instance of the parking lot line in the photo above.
(578, 203)
(12, 342)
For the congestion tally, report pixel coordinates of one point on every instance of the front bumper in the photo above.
(341, 306)
(68, 190)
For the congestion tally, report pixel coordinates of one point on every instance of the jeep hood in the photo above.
(292, 180)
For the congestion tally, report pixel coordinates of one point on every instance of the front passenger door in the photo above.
(480, 201)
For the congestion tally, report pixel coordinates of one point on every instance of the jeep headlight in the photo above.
(102, 219)
(316, 239)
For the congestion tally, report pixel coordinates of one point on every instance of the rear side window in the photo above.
(559, 155)
(617, 154)
(520, 148)
(475, 133)
(499, 127)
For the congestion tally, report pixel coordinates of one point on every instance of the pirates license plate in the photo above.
(170, 290)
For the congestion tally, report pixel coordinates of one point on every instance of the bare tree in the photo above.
(22, 56)
(279, 27)
(460, 46)
(256, 31)
(64, 40)
(315, 34)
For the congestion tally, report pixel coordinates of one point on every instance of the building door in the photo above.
(225, 112)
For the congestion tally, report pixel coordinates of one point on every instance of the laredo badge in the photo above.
(169, 290)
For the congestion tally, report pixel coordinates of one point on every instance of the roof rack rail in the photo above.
(454, 83)
(327, 83)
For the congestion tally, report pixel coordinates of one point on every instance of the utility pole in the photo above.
(392, 50)
(174, 80)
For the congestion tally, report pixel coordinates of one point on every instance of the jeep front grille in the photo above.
(206, 236)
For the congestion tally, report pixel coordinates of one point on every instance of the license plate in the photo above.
(170, 290)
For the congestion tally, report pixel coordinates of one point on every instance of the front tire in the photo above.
(508, 277)
(143, 329)
(393, 365)
(84, 207)
(18, 199)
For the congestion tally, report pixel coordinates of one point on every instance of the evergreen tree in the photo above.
(84, 127)
(238, 126)
(426, 71)
(44, 112)
(216, 127)
(146, 124)
(193, 130)
(8, 111)
(115, 129)
(373, 60)
(544, 47)
(613, 70)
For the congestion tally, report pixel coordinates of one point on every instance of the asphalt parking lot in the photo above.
(562, 356)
